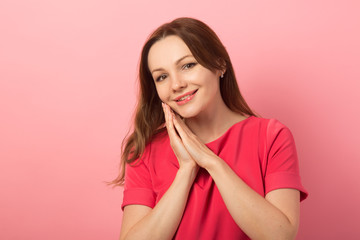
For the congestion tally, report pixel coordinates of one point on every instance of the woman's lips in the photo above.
(186, 94)
(186, 98)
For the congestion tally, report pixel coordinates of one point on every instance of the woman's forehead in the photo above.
(166, 52)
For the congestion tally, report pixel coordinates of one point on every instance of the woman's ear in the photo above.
(222, 65)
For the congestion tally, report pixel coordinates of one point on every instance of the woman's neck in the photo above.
(213, 123)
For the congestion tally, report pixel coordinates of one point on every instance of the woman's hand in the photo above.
(277, 214)
(183, 156)
(188, 145)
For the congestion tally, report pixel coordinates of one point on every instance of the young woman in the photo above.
(199, 163)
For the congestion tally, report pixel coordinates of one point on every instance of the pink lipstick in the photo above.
(181, 100)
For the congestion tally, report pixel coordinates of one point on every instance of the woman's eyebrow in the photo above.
(180, 59)
(177, 62)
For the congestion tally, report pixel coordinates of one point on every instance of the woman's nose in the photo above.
(178, 83)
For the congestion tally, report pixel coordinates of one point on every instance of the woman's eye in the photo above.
(189, 65)
(161, 77)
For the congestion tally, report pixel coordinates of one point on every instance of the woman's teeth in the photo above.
(185, 97)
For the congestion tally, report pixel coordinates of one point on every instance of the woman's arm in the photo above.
(161, 222)
(274, 217)
(140, 222)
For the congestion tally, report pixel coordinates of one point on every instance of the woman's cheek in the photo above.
(165, 92)
(160, 93)
(162, 97)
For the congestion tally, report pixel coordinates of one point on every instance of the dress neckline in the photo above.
(228, 130)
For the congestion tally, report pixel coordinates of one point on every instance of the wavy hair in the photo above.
(149, 119)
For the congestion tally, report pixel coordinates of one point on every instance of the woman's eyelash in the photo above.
(189, 65)
(186, 66)
(161, 77)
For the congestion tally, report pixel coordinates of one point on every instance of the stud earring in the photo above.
(222, 75)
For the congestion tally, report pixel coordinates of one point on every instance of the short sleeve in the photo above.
(282, 169)
(138, 185)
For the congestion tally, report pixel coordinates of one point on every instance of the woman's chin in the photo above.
(187, 115)
(187, 112)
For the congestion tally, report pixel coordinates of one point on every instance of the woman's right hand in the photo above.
(183, 156)
(162, 221)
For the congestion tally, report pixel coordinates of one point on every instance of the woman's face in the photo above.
(181, 82)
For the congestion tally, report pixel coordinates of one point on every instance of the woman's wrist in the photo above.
(215, 163)
(188, 171)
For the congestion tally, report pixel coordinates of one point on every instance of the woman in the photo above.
(199, 163)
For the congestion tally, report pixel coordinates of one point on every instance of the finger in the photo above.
(168, 123)
(183, 134)
(165, 115)
(171, 129)
(183, 125)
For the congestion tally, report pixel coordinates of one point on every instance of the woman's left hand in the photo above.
(203, 156)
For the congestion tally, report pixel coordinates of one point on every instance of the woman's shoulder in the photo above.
(272, 129)
(263, 127)
(158, 139)
(271, 123)
(153, 145)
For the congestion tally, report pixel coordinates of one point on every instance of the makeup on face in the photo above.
(184, 98)
(181, 82)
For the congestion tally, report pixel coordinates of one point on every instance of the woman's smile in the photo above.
(185, 98)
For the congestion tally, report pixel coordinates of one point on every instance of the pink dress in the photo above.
(262, 153)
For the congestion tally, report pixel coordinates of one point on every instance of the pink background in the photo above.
(68, 86)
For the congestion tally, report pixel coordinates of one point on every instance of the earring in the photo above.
(222, 75)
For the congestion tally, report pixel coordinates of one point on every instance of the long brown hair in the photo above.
(149, 119)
